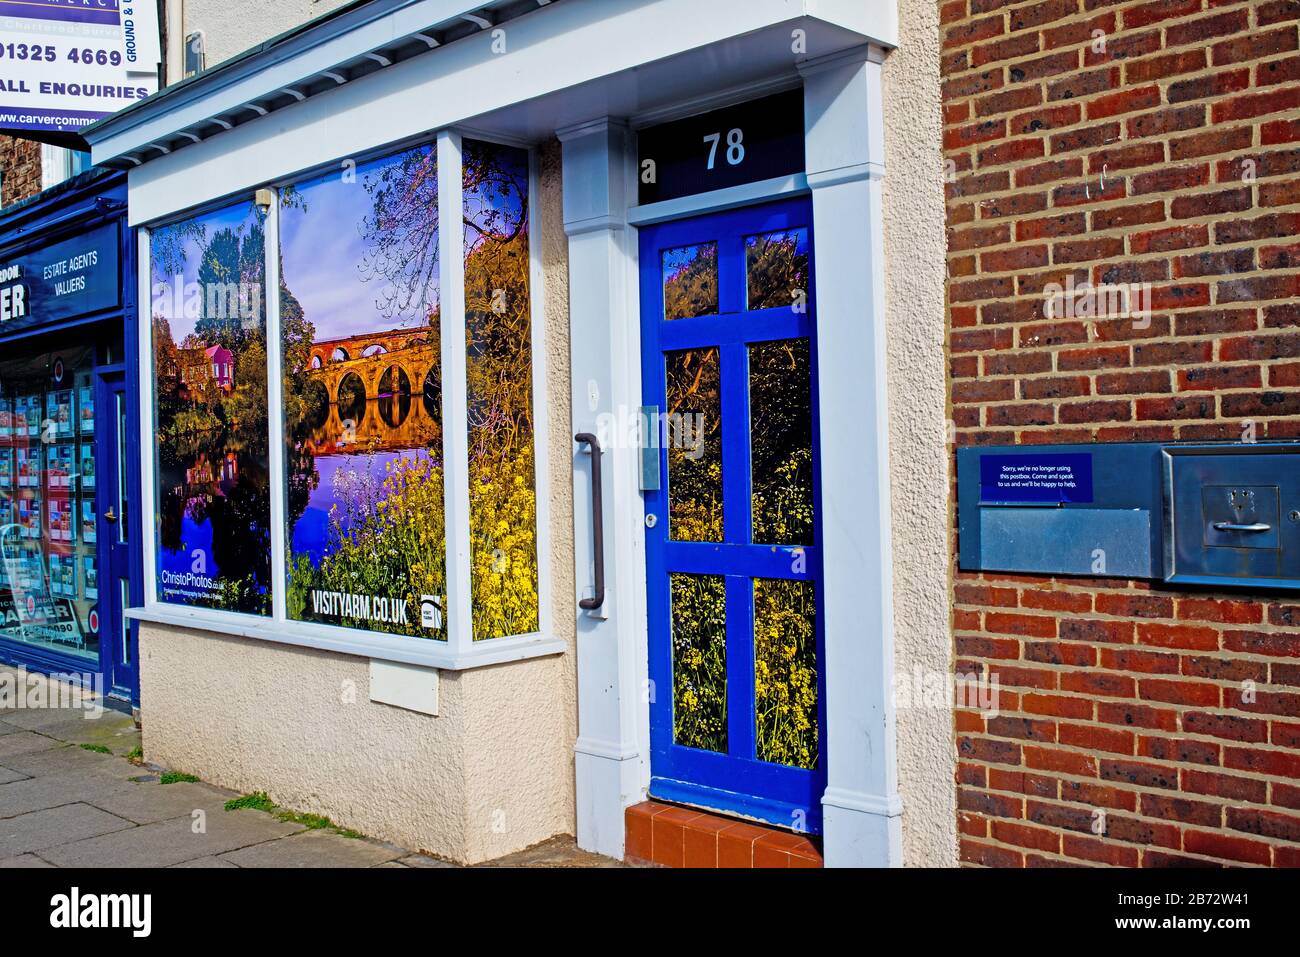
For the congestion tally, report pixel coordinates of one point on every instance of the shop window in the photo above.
(213, 546)
(364, 465)
(498, 365)
(388, 527)
(49, 575)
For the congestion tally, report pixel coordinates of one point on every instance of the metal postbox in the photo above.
(1224, 514)
(1232, 515)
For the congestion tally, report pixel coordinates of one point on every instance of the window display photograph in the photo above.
(359, 332)
(209, 362)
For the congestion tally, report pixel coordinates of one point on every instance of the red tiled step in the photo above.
(684, 837)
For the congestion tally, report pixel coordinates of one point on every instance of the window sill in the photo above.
(412, 651)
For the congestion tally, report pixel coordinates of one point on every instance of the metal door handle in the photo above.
(110, 515)
(597, 522)
(1234, 527)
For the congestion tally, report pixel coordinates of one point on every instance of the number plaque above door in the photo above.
(746, 143)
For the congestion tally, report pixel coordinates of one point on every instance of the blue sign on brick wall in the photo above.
(61, 281)
(1036, 478)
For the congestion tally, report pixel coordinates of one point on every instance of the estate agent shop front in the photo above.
(517, 431)
(67, 397)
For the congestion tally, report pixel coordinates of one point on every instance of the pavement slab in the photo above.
(69, 757)
(316, 848)
(172, 841)
(23, 860)
(55, 790)
(43, 829)
(25, 742)
(149, 803)
(205, 862)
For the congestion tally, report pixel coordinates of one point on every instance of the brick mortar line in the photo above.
(1097, 724)
(1121, 32)
(1088, 232)
(1224, 629)
(1165, 196)
(1079, 152)
(1128, 787)
(1056, 212)
(1216, 655)
(1253, 88)
(1141, 849)
(1084, 14)
(1181, 826)
(1163, 82)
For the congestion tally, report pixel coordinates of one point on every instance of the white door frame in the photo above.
(844, 142)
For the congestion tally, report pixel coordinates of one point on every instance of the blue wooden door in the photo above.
(117, 636)
(737, 716)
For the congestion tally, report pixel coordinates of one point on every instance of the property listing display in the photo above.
(359, 327)
(209, 363)
(49, 587)
(66, 63)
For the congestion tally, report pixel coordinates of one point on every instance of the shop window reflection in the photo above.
(48, 506)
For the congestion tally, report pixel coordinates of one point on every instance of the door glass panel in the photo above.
(781, 455)
(694, 401)
(690, 276)
(123, 500)
(785, 672)
(776, 265)
(48, 509)
(700, 661)
(124, 597)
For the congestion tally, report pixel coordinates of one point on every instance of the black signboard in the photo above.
(746, 143)
(65, 279)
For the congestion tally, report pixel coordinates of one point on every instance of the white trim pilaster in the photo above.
(599, 176)
(455, 441)
(845, 160)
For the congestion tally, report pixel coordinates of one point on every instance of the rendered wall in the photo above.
(232, 26)
(914, 289)
(492, 774)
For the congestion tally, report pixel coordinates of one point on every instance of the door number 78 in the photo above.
(735, 147)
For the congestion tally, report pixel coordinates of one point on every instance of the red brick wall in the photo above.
(1128, 733)
(20, 169)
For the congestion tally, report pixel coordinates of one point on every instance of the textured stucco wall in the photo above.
(232, 26)
(914, 278)
(492, 774)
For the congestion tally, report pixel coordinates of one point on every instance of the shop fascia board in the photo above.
(568, 46)
(347, 34)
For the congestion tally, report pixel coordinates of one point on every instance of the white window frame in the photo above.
(459, 651)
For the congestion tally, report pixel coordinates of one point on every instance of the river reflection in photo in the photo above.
(353, 471)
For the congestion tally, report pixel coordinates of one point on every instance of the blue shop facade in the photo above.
(69, 470)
